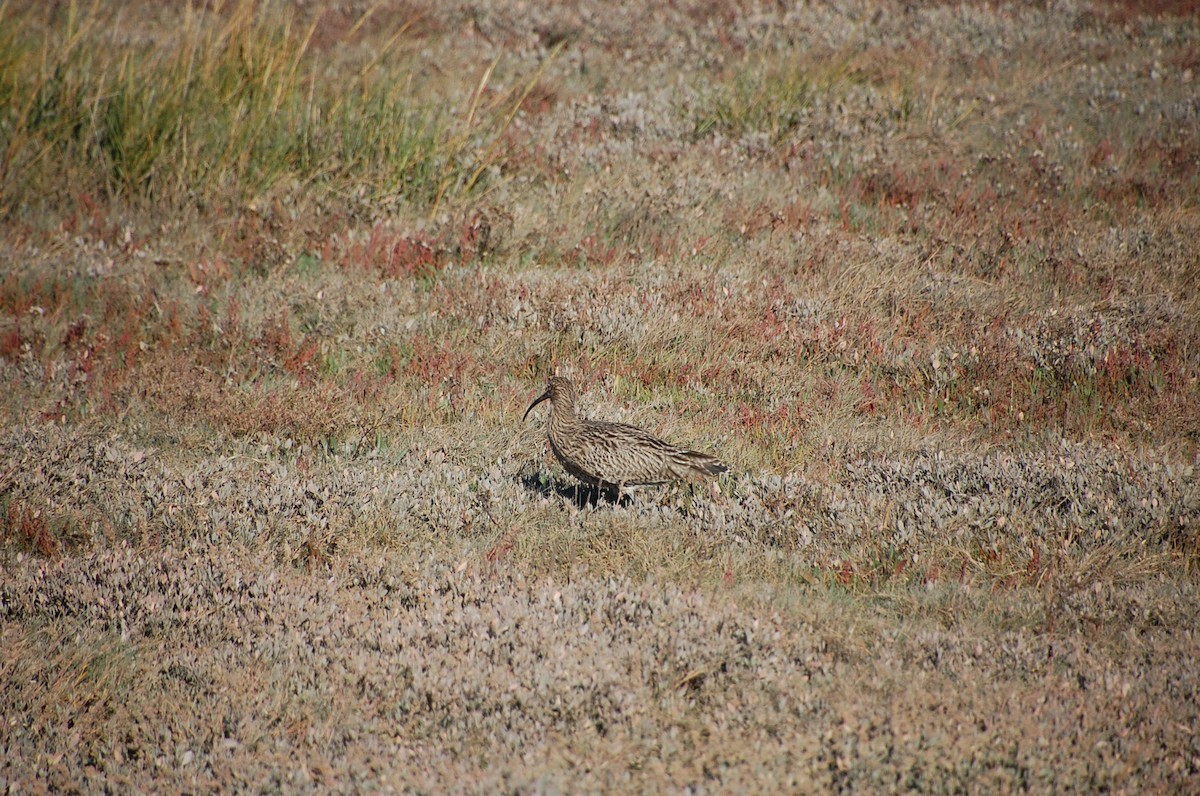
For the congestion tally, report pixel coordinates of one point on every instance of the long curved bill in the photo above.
(540, 398)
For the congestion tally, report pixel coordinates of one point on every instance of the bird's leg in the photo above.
(591, 496)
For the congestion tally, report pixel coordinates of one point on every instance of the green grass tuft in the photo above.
(767, 96)
(232, 105)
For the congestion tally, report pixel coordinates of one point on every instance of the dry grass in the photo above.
(269, 519)
(215, 668)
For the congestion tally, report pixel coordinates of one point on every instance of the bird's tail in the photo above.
(701, 463)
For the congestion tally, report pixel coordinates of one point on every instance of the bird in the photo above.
(612, 456)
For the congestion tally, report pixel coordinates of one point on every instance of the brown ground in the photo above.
(925, 275)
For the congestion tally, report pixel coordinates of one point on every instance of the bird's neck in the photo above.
(563, 418)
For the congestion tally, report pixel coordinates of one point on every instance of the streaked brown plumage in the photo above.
(614, 455)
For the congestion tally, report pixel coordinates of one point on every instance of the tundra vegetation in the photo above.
(277, 281)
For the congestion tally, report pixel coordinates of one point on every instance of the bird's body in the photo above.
(615, 455)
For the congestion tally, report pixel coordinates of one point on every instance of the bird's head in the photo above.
(559, 391)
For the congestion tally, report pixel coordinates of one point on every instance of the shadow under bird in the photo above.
(615, 455)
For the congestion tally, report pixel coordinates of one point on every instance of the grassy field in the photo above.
(277, 282)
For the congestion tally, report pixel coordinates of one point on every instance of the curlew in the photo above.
(614, 455)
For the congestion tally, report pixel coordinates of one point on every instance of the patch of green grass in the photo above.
(766, 96)
(231, 105)
(308, 265)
